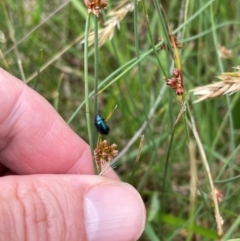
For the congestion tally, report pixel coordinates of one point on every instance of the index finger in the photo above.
(33, 136)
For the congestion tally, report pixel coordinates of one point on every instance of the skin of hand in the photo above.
(48, 187)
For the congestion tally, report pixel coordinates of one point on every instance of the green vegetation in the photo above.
(41, 42)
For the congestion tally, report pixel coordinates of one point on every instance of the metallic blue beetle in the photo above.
(101, 125)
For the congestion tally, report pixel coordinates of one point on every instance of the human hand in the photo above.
(62, 199)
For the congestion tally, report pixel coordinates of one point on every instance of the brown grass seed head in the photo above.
(175, 82)
(104, 153)
(229, 84)
(95, 6)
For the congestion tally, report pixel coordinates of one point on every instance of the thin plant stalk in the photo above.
(12, 37)
(151, 38)
(95, 72)
(193, 186)
(163, 24)
(39, 66)
(222, 70)
(165, 175)
(229, 112)
(137, 157)
(219, 219)
(136, 38)
(86, 83)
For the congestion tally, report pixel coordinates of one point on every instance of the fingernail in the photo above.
(114, 212)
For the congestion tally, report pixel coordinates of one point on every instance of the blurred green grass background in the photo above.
(45, 37)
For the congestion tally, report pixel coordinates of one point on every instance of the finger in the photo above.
(69, 207)
(33, 137)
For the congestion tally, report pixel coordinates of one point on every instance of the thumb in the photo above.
(69, 207)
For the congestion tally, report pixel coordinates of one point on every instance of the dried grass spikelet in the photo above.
(2, 37)
(219, 194)
(229, 84)
(224, 53)
(104, 153)
(114, 18)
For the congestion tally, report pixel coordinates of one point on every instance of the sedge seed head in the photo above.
(95, 6)
(104, 153)
(176, 82)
